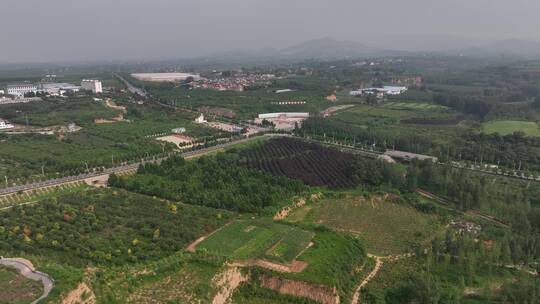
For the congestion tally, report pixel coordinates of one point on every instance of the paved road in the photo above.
(26, 268)
(133, 89)
(123, 168)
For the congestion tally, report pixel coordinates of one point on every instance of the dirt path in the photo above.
(379, 260)
(227, 282)
(191, 247)
(369, 277)
(80, 295)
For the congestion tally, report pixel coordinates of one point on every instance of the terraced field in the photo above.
(258, 239)
(384, 227)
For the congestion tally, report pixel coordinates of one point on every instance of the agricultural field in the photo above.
(108, 227)
(258, 239)
(311, 163)
(384, 225)
(16, 289)
(60, 111)
(505, 127)
(23, 155)
(214, 181)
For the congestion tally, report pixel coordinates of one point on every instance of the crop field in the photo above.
(105, 227)
(16, 289)
(81, 111)
(332, 261)
(258, 239)
(505, 127)
(313, 164)
(414, 106)
(383, 226)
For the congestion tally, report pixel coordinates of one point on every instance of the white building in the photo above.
(2, 92)
(92, 85)
(284, 115)
(387, 90)
(21, 89)
(5, 125)
(165, 77)
(200, 119)
(178, 130)
(57, 88)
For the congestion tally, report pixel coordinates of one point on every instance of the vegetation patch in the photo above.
(216, 182)
(311, 163)
(16, 289)
(384, 227)
(258, 239)
(505, 127)
(105, 227)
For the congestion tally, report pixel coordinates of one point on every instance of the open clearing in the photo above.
(505, 127)
(15, 288)
(258, 239)
(383, 226)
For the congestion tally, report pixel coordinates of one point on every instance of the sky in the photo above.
(110, 30)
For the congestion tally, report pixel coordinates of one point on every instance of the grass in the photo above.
(384, 227)
(505, 127)
(332, 261)
(179, 278)
(16, 289)
(41, 194)
(258, 239)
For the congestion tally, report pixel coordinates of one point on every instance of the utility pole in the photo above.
(6, 181)
(43, 170)
(112, 159)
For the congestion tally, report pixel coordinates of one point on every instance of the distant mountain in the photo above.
(329, 48)
(510, 47)
(325, 48)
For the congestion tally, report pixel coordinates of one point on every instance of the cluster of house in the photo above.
(4, 124)
(236, 83)
(293, 102)
(379, 92)
(285, 121)
(466, 227)
(19, 90)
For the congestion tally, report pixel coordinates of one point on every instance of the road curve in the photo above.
(26, 269)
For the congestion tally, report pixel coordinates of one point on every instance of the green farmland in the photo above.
(505, 127)
(258, 239)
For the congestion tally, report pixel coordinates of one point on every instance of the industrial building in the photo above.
(165, 77)
(92, 85)
(386, 90)
(20, 89)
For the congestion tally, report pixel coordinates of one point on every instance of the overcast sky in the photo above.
(77, 30)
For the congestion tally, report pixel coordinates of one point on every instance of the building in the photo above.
(386, 90)
(284, 115)
(21, 88)
(2, 92)
(57, 88)
(200, 119)
(5, 125)
(178, 130)
(92, 85)
(165, 77)
(407, 156)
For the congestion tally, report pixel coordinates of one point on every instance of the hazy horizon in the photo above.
(99, 30)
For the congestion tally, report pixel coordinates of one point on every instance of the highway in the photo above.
(133, 89)
(123, 168)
